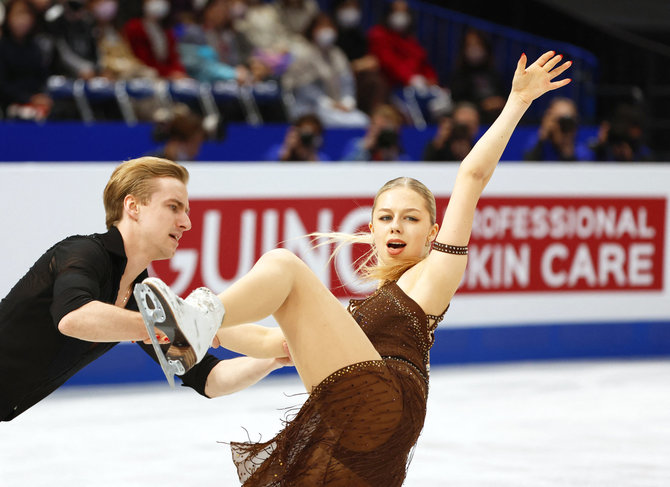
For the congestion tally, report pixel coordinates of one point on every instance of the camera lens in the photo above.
(387, 138)
(307, 139)
(567, 124)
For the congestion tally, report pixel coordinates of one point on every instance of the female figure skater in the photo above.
(366, 368)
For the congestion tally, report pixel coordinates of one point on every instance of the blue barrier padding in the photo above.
(644, 339)
(114, 141)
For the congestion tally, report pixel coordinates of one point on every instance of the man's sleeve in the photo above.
(79, 267)
(196, 378)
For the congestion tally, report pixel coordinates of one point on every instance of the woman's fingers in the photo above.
(542, 60)
(560, 83)
(521, 64)
(559, 70)
(549, 65)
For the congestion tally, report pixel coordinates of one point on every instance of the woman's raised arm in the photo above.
(444, 271)
(477, 168)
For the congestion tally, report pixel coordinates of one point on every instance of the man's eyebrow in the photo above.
(179, 203)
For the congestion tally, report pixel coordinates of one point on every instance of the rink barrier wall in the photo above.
(465, 346)
(109, 141)
(567, 261)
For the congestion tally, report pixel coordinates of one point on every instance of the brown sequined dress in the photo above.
(358, 426)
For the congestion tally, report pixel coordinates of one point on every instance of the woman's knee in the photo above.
(281, 257)
(284, 261)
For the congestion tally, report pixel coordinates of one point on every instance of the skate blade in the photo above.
(154, 316)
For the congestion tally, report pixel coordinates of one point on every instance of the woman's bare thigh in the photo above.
(322, 336)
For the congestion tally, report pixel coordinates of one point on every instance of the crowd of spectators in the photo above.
(335, 73)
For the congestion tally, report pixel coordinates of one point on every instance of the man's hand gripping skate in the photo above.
(190, 324)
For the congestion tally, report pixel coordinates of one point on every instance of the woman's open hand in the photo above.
(532, 81)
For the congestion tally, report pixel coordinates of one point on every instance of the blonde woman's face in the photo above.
(401, 225)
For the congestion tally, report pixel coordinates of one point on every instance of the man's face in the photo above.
(164, 218)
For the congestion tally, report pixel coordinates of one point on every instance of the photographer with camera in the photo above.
(382, 140)
(182, 132)
(301, 143)
(556, 138)
(455, 136)
(621, 137)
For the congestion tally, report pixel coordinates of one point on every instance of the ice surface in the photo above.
(550, 424)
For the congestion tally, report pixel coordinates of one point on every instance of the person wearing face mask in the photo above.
(476, 79)
(403, 60)
(321, 80)
(372, 89)
(23, 72)
(302, 142)
(153, 42)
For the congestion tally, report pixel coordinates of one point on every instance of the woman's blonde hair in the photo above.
(367, 266)
(137, 177)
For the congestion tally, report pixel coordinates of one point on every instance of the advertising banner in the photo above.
(551, 243)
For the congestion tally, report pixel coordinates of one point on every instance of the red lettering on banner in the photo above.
(570, 244)
(229, 236)
(517, 244)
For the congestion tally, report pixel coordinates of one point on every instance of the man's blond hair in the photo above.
(137, 177)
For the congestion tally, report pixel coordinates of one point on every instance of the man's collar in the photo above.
(113, 241)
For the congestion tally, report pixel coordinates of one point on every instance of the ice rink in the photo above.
(549, 424)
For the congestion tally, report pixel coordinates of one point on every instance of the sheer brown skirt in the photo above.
(357, 428)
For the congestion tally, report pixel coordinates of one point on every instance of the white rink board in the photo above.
(46, 202)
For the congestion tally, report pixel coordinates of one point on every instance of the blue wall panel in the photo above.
(128, 363)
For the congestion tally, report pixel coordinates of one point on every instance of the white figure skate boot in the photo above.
(190, 324)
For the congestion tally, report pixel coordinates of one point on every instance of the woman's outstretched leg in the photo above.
(321, 334)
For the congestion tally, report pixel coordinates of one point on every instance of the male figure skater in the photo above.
(76, 301)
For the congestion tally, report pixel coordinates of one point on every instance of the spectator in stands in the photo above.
(321, 80)
(296, 15)
(129, 9)
(476, 79)
(404, 61)
(23, 73)
(46, 9)
(153, 41)
(301, 143)
(117, 60)
(182, 132)
(382, 139)
(42, 7)
(371, 87)
(259, 22)
(200, 46)
(456, 135)
(556, 139)
(621, 138)
(76, 46)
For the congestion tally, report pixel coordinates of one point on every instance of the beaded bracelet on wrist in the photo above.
(450, 249)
